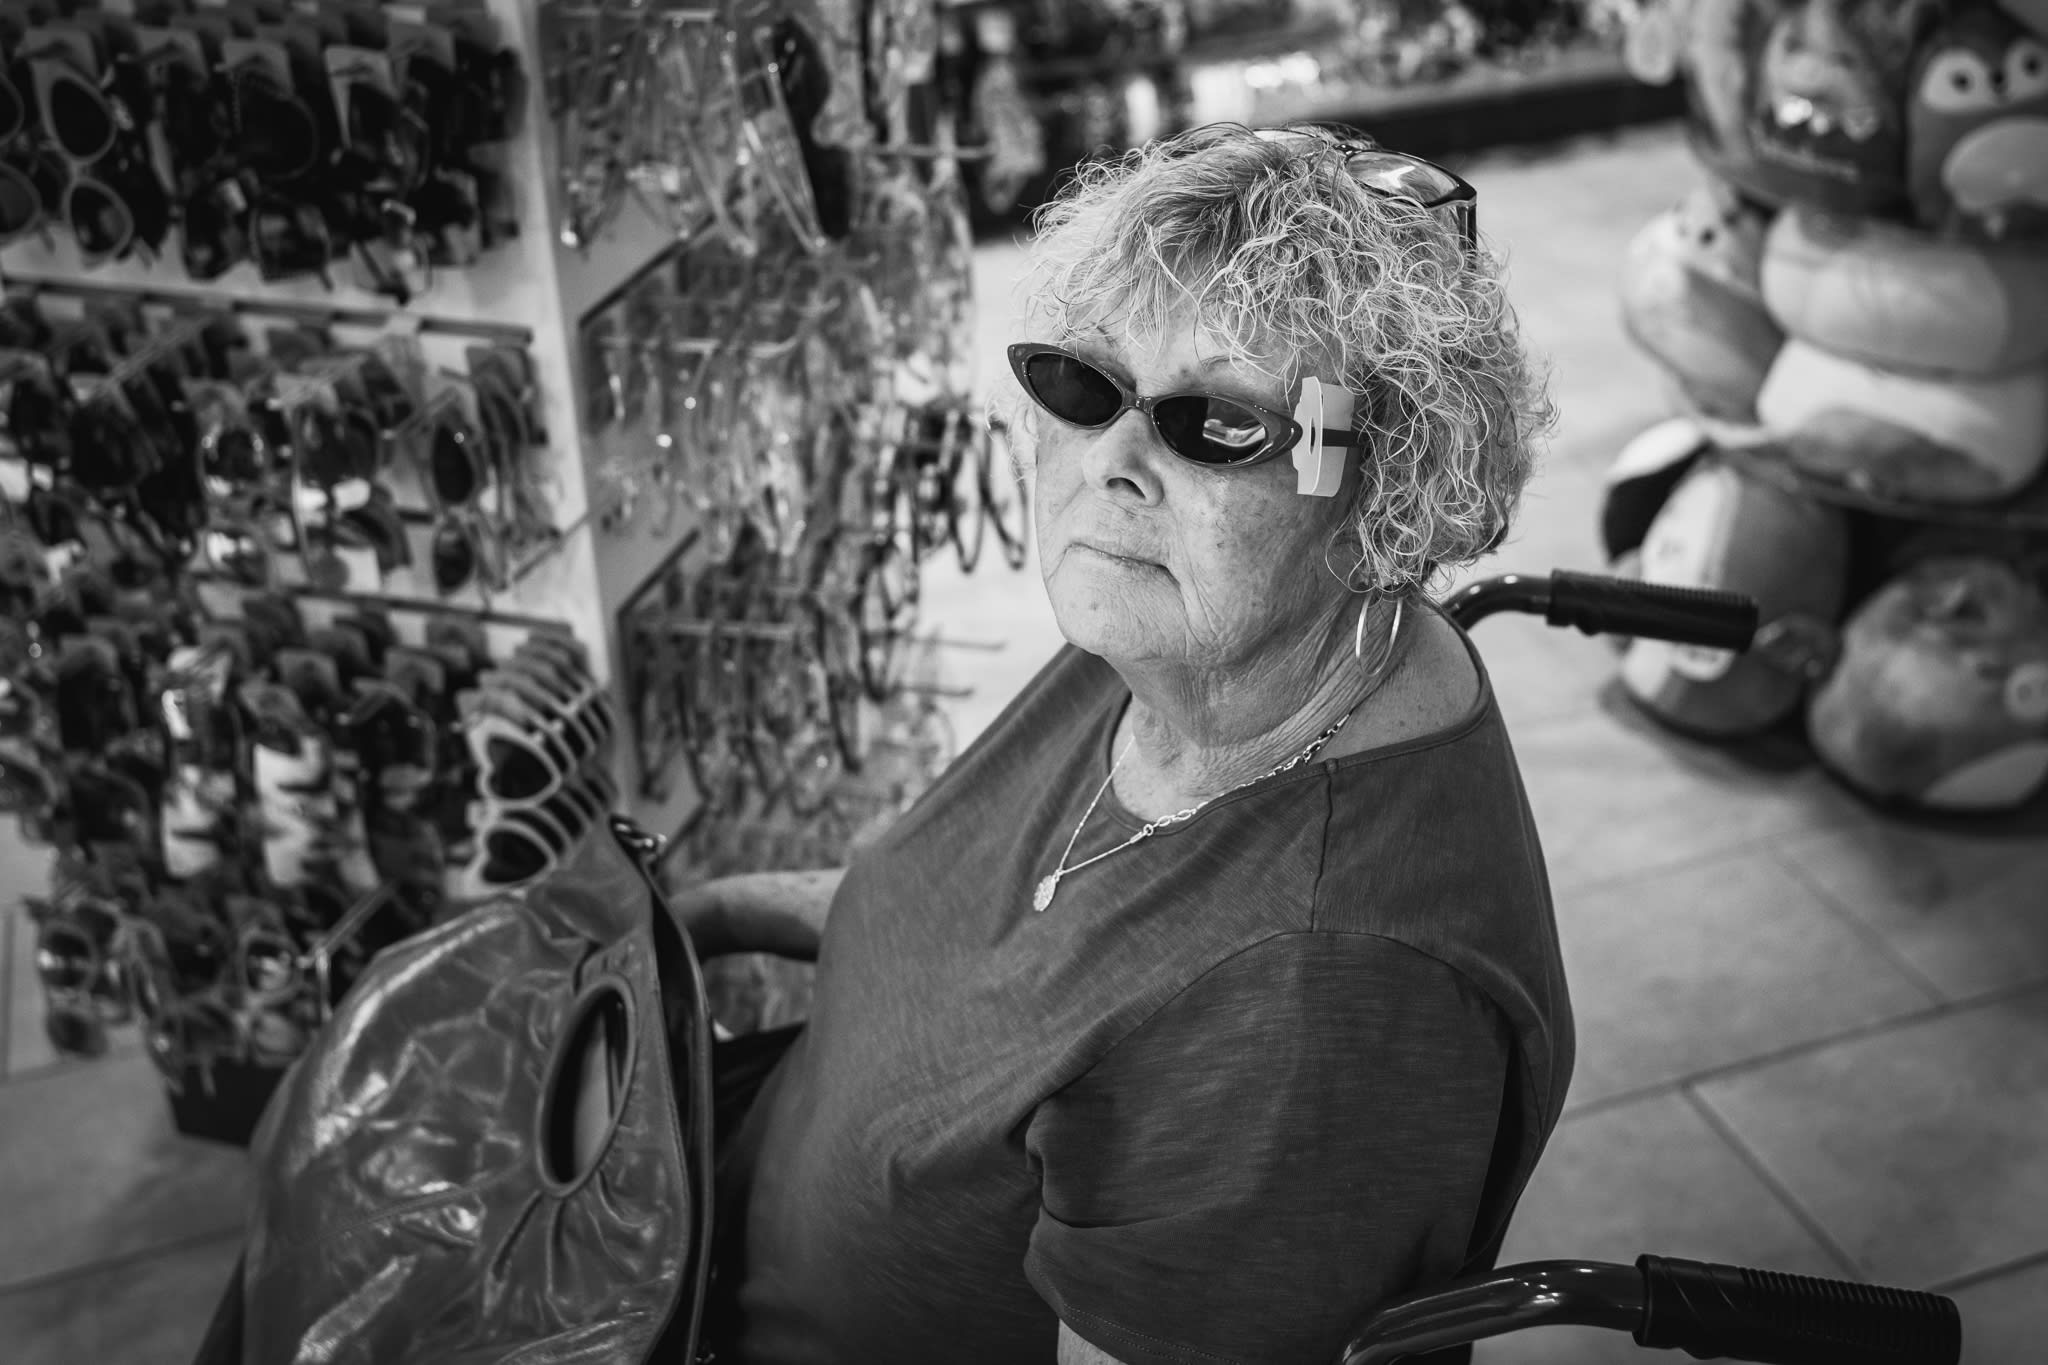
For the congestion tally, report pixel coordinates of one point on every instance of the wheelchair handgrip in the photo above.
(1653, 611)
(1715, 1312)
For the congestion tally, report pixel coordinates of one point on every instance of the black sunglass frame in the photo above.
(1282, 431)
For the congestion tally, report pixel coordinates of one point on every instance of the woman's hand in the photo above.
(782, 913)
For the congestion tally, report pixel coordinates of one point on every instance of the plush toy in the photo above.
(1690, 299)
(1946, 439)
(1977, 127)
(1828, 125)
(1717, 39)
(1726, 529)
(1940, 695)
(1903, 299)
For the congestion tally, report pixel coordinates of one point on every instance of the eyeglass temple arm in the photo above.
(322, 951)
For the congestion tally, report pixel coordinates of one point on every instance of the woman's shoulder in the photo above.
(1439, 691)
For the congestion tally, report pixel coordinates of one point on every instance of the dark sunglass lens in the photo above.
(279, 139)
(65, 959)
(1425, 184)
(1072, 390)
(514, 772)
(1211, 430)
(99, 221)
(454, 558)
(20, 205)
(453, 466)
(80, 120)
(514, 855)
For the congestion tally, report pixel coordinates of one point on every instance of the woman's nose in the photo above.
(1121, 459)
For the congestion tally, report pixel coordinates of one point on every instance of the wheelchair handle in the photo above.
(1599, 605)
(1711, 1312)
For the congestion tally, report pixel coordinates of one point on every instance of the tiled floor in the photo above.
(1810, 1038)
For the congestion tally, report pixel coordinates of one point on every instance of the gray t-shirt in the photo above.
(1242, 1080)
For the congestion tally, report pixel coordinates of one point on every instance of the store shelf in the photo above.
(501, 289)
(1574, 92)
(588, 276)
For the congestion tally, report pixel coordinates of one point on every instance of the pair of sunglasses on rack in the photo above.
(100, 182)
(488, 516)
(84, 988)
(536, 722)
(258, 1003)
(517, 845)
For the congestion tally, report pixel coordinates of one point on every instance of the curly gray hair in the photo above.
(1296, 268)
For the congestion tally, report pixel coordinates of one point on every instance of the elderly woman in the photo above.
(1213, 996)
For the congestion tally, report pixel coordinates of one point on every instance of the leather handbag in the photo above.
(500, 1147)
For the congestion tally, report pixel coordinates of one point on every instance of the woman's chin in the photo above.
(1106, 626)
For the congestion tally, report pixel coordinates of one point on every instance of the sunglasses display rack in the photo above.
(778, 407)
(303, 642)
(353, 575)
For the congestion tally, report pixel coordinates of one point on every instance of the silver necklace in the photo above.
(1049, 884)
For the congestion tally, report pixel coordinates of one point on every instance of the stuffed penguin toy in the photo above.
(1977, 119)
(1690, 299)
(1724, 528)
(1940, 695)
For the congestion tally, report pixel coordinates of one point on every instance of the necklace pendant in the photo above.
(1042, 897)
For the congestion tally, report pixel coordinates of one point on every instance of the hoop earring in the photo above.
(1358, 635)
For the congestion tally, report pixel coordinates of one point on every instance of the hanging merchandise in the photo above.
(1892, 160)
(213, 719)
(979, 58)
(295, 600)
(244, 144)
(1040, 84)
(347, 486)
(783, 414)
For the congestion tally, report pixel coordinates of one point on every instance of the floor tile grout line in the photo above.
(1780, 1191)
(1862, 927)
(1970, 1279)
(1930, 1014)
(1615, 881)
(1687, 862)
(123, 1260)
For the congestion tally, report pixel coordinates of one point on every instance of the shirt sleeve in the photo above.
(1299, 1134)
